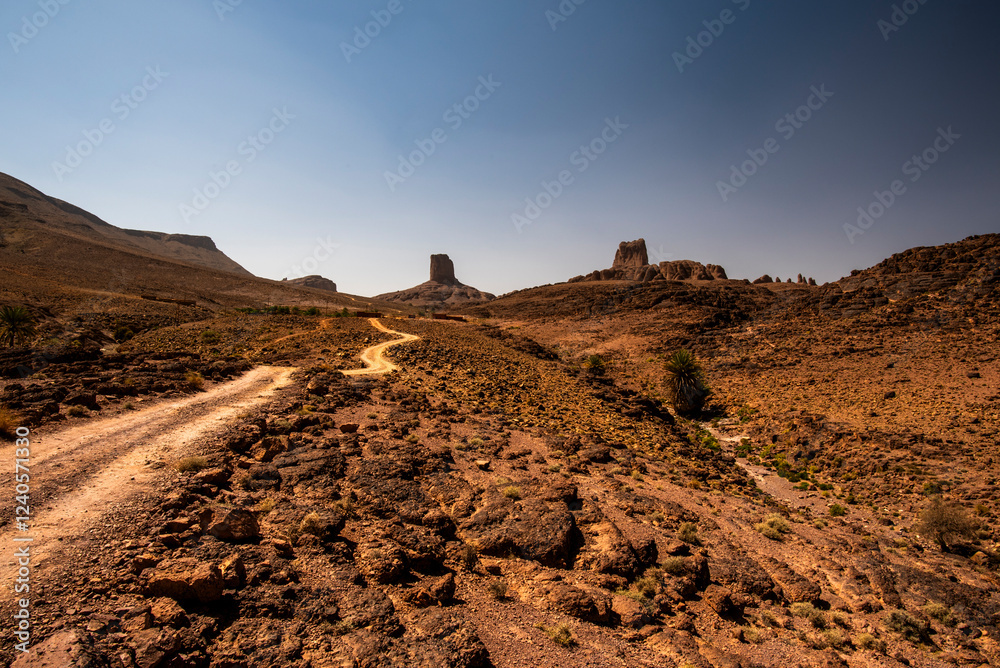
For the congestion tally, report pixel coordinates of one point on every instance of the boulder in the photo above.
(575, 602)
(65, 649)
(185, 579)
(630, 613)
(235, 526)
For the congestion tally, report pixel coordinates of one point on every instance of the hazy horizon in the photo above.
(278, 131)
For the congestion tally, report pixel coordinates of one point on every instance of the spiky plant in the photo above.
(685, 382)
(16, 325)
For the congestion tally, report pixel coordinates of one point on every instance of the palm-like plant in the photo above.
(685, 382)
(16, 324)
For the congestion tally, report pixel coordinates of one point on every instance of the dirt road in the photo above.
(79, 471)
(374, 356)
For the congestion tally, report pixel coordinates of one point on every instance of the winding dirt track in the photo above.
(79, 471)
(374, 356)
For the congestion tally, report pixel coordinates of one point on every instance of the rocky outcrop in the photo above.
(443, 270)
(315, 282)
(632, 264)
(443, 290)
(631, 255)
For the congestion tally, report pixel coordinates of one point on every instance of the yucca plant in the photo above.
(16, 325)
(685, 382)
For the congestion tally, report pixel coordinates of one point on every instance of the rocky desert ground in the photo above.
(208, 488)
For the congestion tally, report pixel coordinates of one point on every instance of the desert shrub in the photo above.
(745, 413)
(773, 527)
(128, 406)
(475, 441)
(561, 634)
(191, 464)
(123, 333)
(869, 642)
(77, 411)
(808, 612)
(685, 383)
(412, 438)
(312, 523)
(266, 506)
(648, 586)
(673, 565)
(636, 475)
(498, 589)
(945, 523)
(512, 492)
(906, 625)
(837, 510)
(312, 310)
(688, 533)
(841, 619)
(469, 557)
(940, 612)
(17, 325)
(9, 422)
(835, 638)
(210, 337)
(594, 364)
(194, 380)
(755, 636)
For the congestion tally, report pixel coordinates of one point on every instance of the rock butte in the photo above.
(442, 290)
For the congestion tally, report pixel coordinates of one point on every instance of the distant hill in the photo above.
(56, 256)
(22, 204)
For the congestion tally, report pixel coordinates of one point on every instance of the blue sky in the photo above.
(300, 120)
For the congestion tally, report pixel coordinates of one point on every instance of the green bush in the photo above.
(685, 383)
(594, 364)
(209, 337)
(16, 325)
(123, 334)
(837, 510)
